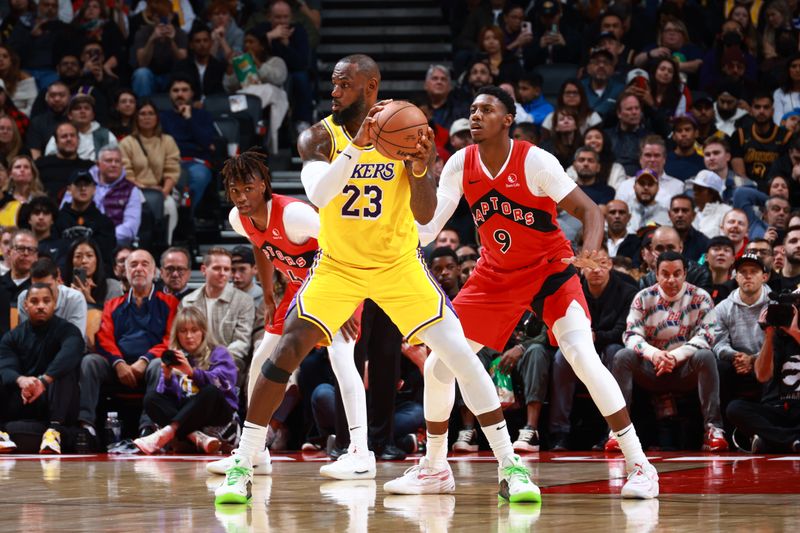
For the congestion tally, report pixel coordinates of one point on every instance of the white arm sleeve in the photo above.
(447, 197)
(545, 175)
(323, 181)
(236, 222)
(301, 222)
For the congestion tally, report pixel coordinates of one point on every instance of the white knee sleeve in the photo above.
(262, 353)
(351, 386)
(446, 338)
(440, 390)
(574, 335)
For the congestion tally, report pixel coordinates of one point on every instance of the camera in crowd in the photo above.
(170, 358)
(781, 312)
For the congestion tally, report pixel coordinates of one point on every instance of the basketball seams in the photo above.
(386, 131)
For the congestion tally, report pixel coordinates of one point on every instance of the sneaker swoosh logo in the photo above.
(360, 472)
(501, 427)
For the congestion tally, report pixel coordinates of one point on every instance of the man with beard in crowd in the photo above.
(756, 145)
(789, 277)
(55, 170)
(681, 214)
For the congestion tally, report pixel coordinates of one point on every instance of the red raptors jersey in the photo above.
(293, 260)
(516, 228)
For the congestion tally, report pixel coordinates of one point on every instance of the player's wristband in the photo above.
(424, 173)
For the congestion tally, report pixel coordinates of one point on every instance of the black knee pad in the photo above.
(273, 373)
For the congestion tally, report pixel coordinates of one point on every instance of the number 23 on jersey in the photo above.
(362, 203)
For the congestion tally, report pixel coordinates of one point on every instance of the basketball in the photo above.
(398, 126)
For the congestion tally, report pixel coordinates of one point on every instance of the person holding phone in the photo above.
(517, 32)
(84, 271)
(157, 46)
(196, 389)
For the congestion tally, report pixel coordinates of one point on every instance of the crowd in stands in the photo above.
(679, 118)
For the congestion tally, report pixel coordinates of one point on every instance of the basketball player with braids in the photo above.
(513, 189)
(283, 232)
(369, 249)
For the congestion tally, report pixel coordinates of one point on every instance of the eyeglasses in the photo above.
(26, 250)
(175, 270)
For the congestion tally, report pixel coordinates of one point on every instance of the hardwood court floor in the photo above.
(699, 492)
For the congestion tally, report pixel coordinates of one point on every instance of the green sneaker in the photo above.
(238, 484)
(515, 482)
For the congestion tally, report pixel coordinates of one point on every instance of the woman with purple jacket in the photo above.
(196, 388)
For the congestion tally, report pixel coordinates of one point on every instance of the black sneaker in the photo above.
(85, 443)
(559, 442)
(390, 452)
(527, 441)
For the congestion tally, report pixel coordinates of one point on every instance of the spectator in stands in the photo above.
(227, 38)
(157, 47)
(751, 200)
(777, 23)
(134, 332)
(682, 216)
(6, 233)
(666, 239)
(97, 76)
(229, 311)
(442, 99)
(565, 137)
(630, 130)
(653, 156)
(789, 278)
(516, 35)
(587, 169)
(175, 272)
(477, 76)
(39, 215)
(703, 111)
(673, 38)
(608, 296)
(81, 217)
(11, 144)
(459, 135)
(573, 96)
(36, 38)
(738, 336)
(716, 158)
(192, 128)
(735, 227)
(503, 65)
(201, 66)
(765, 252)
(787, 97)
(684, 161)
(39, 363)
(734, 70)
(123, 114)
(772, 424)
(774, 221)
(152, 162)
(91, 135)
(196, 389)
(668, 339)
(448, 237)
(271, 73)
(57, 169)
(70, 304)
(601, 89)
(243, 276)
(119, 256)
(24, 184)
(531, 104)
(553, 40)
(668, 96)
(720, 258)
(22, 254)
(611, 173)
(290, 42)
(44, 125)
(731, 35)
(84, 272)
(18, 85)
(7, 107)
(754, 147)
(92, 22)
(644, 208)
(708, 188)
(486, 14)
(618, 240)
(729, 107)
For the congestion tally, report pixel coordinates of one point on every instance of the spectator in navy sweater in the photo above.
(193, 129)
(134, 331)
(197, 387)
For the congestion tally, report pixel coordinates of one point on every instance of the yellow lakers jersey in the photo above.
(370, 222)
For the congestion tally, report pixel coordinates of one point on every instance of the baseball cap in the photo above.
(752, 259)
(243, 254)
(708, 179)
(686, 117)
(720, 240)
(459, 125)
(601, 51)
(700, 97)
(635, 73)
(81, 176)
(646, 172)
(606, 35)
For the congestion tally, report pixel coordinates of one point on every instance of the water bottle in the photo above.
(113, 430)
(186, 198)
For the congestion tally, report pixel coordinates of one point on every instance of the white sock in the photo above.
(631, 447)
(436, 450)
(252, 440)
(499, 440)
(358, 439)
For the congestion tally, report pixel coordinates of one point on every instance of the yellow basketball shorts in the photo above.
(405, 290)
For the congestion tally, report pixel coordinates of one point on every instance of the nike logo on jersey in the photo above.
(473, 182)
